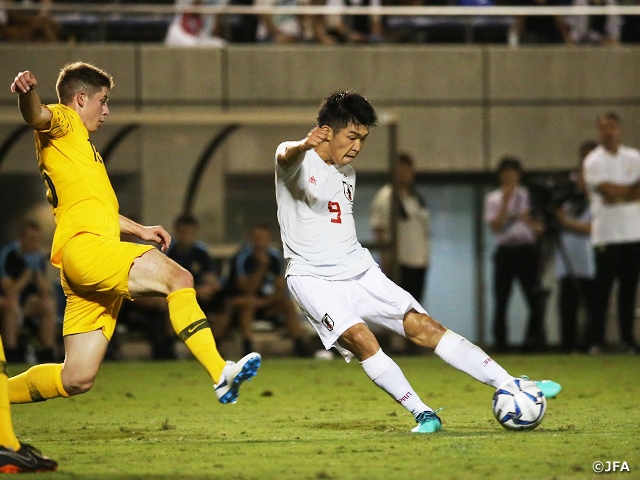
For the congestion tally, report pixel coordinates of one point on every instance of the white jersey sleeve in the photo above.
(315, 213)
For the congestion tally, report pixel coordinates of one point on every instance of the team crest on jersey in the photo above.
(327, 321)
(348, 190)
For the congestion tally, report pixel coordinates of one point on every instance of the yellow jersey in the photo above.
(78, 187)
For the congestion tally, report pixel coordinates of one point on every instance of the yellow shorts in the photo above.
(95, 278)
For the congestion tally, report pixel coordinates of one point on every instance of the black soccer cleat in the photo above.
(26, 460)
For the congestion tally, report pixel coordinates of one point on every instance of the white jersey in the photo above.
(315, 212)
(620, 222)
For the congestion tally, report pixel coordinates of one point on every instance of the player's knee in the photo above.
(76, 388)
(423, 330)
(360, 341)
(180, 278)
(78, 383)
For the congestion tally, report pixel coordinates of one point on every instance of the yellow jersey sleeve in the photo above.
(78, 187)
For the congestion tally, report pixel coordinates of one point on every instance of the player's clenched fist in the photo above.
(317, 136)
(24, 82)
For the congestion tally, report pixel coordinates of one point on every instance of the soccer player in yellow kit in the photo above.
(97, 270)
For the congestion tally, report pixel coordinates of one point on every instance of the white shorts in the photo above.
(333, 306)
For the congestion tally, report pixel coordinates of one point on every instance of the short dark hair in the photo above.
(344, 108)
(509, 163)
(611, 115)
(405, 158)
(186, 219)
(78, 76)
(263, 226)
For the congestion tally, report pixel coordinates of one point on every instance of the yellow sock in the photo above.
(7, 435)
(39, 383)
(192, 326)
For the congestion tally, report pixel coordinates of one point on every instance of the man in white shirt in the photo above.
(612, 172)
(336, 282)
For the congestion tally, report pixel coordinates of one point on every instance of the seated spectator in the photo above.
(28, 26)
(280, 28)
(350, 28)
(190, 253)
(241, 28)
(541, 28)
(595, 29)
(403, 28)
(256, 289)
(194, 29)
(27, 297)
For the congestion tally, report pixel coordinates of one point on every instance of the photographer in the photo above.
(507, 212)
(574, 261)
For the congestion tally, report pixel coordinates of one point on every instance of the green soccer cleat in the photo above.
(428, 422)
(549, 388)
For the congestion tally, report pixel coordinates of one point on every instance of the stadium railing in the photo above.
(147, 20)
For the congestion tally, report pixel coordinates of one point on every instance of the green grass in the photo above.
(308, 419)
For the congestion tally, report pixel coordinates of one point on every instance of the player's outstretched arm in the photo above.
(33, 112)
(292, 153)
(155, 233)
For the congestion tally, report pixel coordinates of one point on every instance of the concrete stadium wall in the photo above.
(459, 108)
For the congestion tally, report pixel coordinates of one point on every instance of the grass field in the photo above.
(310, 419)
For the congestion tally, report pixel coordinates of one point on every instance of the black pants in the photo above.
(619, 261)
(519, 262)
(574, 292)
(413, 281)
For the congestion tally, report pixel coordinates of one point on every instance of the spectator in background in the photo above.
(27, 294)
(280, 28)
(28, 26)
(507, 212)
(241, 28)
(256, 289)
(190, 253)
(595, 29)
(194, 29)
(612, 173)
(349, 28)
(412, 237)
(575, 265)
(540, 28)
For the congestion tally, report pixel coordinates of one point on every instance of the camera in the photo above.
(549, 191)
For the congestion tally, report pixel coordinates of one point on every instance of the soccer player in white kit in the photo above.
(336, 282)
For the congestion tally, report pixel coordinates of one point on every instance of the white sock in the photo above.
(386, 374)
(460, 353)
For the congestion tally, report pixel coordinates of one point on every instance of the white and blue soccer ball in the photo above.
(519, 404)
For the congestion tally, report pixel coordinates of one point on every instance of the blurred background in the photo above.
(193, 128)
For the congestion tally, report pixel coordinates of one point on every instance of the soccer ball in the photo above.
(519, 404)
